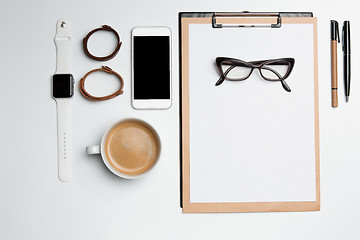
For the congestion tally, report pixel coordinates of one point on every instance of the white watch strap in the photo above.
(62, 41)
(64, 138)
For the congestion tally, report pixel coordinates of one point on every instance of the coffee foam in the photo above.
(132, 147)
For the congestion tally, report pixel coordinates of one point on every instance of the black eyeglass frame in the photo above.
(232, 62)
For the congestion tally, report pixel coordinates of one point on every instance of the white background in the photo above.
(96, 204)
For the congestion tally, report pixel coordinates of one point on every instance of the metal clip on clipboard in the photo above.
(246, 14)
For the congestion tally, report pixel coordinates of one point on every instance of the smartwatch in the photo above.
(62, 92)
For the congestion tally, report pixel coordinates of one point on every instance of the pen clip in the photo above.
(337, 31)
(342, 35)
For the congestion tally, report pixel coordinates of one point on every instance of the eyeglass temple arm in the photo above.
(283, 83)
(222, 78)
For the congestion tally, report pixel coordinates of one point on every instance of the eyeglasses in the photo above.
(271, 70)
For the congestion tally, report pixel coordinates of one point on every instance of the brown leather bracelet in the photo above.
(93, 98)
(106, 58)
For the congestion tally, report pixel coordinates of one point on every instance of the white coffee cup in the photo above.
(130, 148)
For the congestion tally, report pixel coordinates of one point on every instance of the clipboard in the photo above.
(248, 146)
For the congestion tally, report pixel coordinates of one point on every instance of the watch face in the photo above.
(63, 86)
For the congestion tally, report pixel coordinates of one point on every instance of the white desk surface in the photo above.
(96, 204)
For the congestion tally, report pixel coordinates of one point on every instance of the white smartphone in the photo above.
(151, 68)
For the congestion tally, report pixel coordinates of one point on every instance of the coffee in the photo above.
(132, 147)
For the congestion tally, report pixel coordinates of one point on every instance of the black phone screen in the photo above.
(151, 67)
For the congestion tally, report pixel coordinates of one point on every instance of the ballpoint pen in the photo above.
(346, 51)
(334, 75)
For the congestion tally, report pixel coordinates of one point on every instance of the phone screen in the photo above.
(151, 67)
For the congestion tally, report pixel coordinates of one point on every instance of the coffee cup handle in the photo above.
(93, 149)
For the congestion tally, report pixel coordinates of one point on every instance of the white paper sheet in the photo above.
(251, 141)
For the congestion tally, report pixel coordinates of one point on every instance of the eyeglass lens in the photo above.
(274, 71)
(235, 72)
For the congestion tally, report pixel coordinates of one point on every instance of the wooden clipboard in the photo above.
(239, 21)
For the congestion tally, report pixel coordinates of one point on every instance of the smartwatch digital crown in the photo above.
(62, 92)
